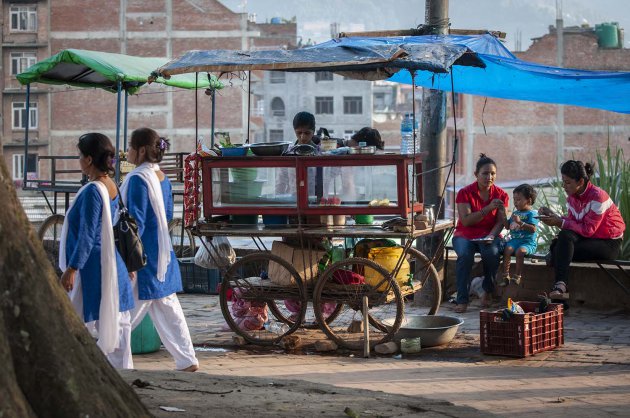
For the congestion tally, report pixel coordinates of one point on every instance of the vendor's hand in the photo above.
(132, 276)
(545, 211)
(489, 237)
(67, 279)
(553, 220)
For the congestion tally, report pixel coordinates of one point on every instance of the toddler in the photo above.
(522, 225)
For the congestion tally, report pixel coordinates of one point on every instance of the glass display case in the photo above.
(313, 185)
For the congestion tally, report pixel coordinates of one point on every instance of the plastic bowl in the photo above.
(234, 151)
(269, 148)
(433, 330)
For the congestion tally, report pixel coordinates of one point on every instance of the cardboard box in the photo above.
(304, 262)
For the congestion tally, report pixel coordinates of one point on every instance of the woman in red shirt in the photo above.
(592, 230)
(481, 213)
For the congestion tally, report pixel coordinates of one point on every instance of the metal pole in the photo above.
(433, 130)
(560, 63)
(196, 112)
(125, 122)
(118, 95)
(27, 121)
(214, 96)
(249, 103)
(366, 328)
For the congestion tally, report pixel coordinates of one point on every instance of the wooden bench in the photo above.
(617, 270)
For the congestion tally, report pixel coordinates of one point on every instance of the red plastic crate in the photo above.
(524, 334)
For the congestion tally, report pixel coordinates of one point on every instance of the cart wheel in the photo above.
(385, 303)
(247, 292)
(50, 233)
(428, 298)
(330, 311)
(184, 246)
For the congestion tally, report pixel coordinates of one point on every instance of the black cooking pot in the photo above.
(269, 148)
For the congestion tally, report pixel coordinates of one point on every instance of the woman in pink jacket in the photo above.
(592, 229)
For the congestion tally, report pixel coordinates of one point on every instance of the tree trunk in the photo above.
(50, 366)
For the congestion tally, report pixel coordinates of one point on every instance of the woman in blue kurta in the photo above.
(94, 273)
(147, 193)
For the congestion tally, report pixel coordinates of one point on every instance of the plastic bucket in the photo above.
(244, 174)
(145, 339)
(388, 258)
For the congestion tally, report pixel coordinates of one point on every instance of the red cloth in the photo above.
(348, 277)
(593, 215)
(470, 194)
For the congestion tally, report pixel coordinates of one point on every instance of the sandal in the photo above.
(559, 291)
(504, 281)
(461, 308)
(516, 280)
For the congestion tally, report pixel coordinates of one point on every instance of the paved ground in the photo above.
(588, 377)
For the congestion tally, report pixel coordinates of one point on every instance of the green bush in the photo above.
(612, 174)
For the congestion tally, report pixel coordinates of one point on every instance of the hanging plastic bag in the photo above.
(216, 253)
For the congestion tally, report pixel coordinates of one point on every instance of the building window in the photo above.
(353, 105)
(323, 76)
(347, 134)
(23, 18)
(276, 135)
(324, 105)
(277, 77)
(18, 165)
(20, 61)
(379, 102)
(277, 107)
(19, 115)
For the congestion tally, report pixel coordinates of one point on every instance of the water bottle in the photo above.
(406, 134)
(275, 327)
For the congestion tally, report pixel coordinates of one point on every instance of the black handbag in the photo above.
(127, 240)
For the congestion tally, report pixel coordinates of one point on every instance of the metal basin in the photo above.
(269, 148)
(433, 330)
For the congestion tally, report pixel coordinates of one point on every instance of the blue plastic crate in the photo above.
(196, 279)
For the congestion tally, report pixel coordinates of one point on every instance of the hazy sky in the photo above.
(531, 17)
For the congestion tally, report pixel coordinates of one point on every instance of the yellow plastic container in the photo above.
(388, 258)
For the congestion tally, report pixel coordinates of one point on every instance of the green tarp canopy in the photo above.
(83, 68)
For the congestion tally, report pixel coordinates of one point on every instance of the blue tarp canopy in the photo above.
(480, 65)
(380, 58)
(507, 77)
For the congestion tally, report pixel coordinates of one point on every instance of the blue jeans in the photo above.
(465, 251)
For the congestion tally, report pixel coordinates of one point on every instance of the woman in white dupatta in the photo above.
(147, 193)
(94, 274)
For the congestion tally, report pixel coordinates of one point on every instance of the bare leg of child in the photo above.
(507, 260)
(520, 260)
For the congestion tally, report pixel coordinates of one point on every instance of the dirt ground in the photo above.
(203, 395)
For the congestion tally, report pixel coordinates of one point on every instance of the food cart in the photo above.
(357, 301)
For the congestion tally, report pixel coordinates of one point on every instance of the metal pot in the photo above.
(269, 148)
(363, 150)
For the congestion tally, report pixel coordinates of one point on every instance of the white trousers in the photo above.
(168, 317)
(121, 357)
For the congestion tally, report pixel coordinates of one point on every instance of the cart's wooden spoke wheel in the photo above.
(341, 283)
(247, 293)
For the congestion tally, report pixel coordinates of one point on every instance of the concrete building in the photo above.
(341, 105)
(33, 30)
